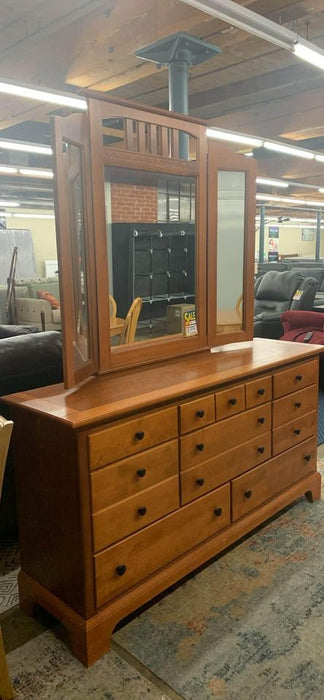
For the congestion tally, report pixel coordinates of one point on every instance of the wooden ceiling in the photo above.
(252, 86)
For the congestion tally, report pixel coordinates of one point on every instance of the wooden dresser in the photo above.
(129, 481)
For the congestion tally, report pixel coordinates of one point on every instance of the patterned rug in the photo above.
(247, 627)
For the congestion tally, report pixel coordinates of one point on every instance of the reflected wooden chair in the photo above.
(238, 306)
(129, 330)
(6, 689)
(112, 307)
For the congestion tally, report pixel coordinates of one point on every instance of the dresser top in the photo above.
(112, 395)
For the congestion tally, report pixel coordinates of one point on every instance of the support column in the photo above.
(318, 234)
(261, 233)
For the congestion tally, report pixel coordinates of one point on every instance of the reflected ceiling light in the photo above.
(273, 183)
(321, 189)
(8, 203)
(288, 150)
(25, 147)
(250, 154)
(31, 93)
(276, 198)
(256, 24)
(233, 137)
(319, 157)
(308, 52)
(33, 216)
(5, 214)
(314, 203)
(32, 172)
(8, 169)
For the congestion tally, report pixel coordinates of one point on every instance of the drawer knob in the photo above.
(261, 391)
(261, 420)
(200, 414)
(297, 404)
(261, 450)
(139, 435)
(299, 377)
(308, 458)
(200, 482)
(141, 510)
(200, 446)
(218, 511)
(233, 401)
(248, 493)
(121, 569)
(297, 431)
(141, 473)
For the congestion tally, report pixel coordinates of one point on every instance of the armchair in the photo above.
(276, 292)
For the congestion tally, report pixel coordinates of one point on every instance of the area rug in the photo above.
(250, 626)
(10, 562)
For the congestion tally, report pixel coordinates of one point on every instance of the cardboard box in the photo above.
(176, 320)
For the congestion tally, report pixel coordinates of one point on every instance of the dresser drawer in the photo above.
(123, 518)
(258, 391)
(134, 474)
(294, 405)
(230, 402)
(264, 482)
(128, 562)
(295, 378)
(206, 476)
(296, 431)
(128, 437)
(197, 413)
(203, 444)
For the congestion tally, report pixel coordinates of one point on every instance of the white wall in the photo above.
(290, 242)
(43, 233)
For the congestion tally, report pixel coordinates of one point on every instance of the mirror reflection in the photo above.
(76, 214)
(151, 248)
(230, 250)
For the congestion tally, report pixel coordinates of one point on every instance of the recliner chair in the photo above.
(276, 292)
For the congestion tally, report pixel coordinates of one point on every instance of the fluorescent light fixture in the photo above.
(321, 190)
(319, 157)
(289, 150)
(308, 52)
(33, 216)
(9, 203)
(8, 169)
(25, 147)
(249, 21)
(256, 24)
(316, 203)
(273, 183)
(64, 100)
(32, 172)
(233, 137)
(5, 214)
(250, 154)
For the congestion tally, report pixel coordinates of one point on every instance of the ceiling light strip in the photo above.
(25, 147)
(31, 93)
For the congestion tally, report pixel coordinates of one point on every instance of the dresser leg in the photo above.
(314, 493)
(90, 641)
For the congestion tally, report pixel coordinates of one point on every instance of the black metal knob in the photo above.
(200, 482)
(308, 458)
(248, 493)
(261, 450)
(121, 569)
(141, 510)
(261, 420)
(261, 391)
(200, 414)
(139, 435)
(297, 404)
(232, 401)
(141, 472)
(200, 446)
(218, 511)
(299, 377)
(297, 431)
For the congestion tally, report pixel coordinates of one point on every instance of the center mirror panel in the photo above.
(151, 245)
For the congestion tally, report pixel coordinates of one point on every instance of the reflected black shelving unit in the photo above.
(155, 262)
